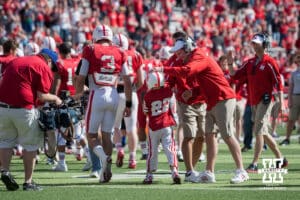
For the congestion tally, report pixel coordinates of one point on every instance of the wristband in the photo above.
(128, 104)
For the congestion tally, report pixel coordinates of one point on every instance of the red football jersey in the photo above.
(262, 77)
(21, 80)
(105, 63)
(157, 106)
(134, 62)
(66, 70)
(4, 60)
(205, 73)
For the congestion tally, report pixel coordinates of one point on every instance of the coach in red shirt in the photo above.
(204, 72)
(262, 75)
(25, 80)
(191, 114)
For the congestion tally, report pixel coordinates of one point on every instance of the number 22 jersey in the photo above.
(157, 106)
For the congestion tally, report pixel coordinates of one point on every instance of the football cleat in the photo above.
(132, 164)
(148, 179)
(120, 158)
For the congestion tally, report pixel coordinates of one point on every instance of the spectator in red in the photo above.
(9, 50)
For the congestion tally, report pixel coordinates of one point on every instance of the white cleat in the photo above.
(207, 177)
(193, 177)
(94, 174)
(60, 168)
(240, 176)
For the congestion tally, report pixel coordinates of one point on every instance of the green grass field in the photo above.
(127, 184)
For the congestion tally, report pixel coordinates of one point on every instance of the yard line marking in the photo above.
(191, 186)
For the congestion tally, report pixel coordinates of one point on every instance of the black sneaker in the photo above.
(283, 165)
(245, 149)
(285, 142)
(9, 181)
(31, 187)
(144, 157)
(252, 168)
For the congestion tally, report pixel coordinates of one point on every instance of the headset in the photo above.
(266, 39)
(189, 44)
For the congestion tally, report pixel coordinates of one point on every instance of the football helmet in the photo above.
(102, 32)
(121, 41)
(155, 79)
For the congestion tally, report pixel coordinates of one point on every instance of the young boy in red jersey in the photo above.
(157, 106)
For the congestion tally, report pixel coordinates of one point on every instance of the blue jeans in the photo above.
(96, 166)
(247, 127)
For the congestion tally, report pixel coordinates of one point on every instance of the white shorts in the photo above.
(131, 121)
(101, 110)
(20, 126)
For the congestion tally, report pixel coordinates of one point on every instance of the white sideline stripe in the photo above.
(191, 186)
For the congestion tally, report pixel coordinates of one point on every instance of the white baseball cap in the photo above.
(258, 39)
(179, 44)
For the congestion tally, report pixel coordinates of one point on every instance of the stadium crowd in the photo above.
(214, 28)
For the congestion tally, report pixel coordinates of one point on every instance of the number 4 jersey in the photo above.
(157, 104)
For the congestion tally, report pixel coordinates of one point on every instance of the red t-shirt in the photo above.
(22, 79)
(4, 60)
(157, 105)
(181, 84)
(262, 77)
(66, 70)
(105, 63)
(206, 75)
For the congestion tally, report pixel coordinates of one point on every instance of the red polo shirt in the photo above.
(262, 77)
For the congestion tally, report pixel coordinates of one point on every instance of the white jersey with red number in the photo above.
(66, 70)
(105, 64)
(157, 106)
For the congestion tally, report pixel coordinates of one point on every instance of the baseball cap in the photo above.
(179, 44)
(257, 39)
(53, 55)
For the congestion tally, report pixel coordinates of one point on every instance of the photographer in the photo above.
(26, 80)
(63, 85)
(262, 75)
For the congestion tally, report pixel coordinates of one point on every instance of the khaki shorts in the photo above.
(193, 119)
(295, 109)
(20, 126)
(221, 115)
(261, 117)
(239, 109)
(275, 108)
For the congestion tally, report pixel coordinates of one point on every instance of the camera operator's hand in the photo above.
(47, 97)
(58, 101)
